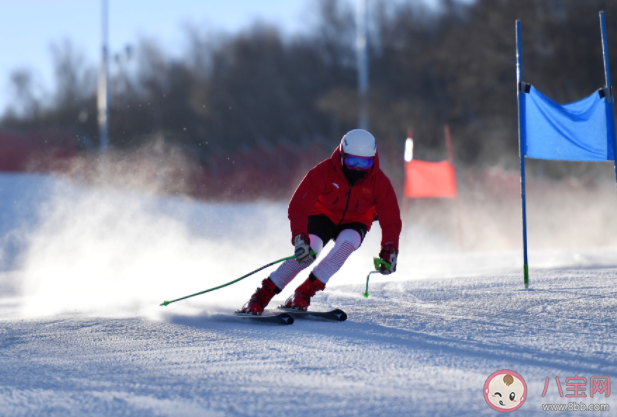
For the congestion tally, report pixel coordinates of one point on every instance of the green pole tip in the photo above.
(165, 303)
(365, 295)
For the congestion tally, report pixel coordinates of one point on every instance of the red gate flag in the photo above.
(429, 179)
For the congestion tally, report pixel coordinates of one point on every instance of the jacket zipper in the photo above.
(348, 198)
(346, 205)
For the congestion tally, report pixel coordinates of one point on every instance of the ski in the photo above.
(277, 318)
(334, 315)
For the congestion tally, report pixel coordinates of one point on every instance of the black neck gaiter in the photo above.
(353, 175)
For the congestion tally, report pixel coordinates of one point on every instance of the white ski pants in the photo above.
(347, 241)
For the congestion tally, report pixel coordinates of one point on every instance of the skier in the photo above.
(338, 199)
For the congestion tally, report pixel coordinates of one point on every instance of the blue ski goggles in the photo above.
(358, 162)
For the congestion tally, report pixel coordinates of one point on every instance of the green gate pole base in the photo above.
(526, 276)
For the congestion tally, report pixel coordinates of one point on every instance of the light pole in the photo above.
(103, 90)
(362, 62)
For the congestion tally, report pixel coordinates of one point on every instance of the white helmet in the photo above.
(359, 142)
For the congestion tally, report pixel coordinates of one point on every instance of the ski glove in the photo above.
(388, 254)
(303, 249)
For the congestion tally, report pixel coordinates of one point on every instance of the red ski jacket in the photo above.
(326, 190)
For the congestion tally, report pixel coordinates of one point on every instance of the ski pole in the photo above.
(166, 303)
(377, 262)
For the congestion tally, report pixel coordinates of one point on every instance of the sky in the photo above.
(29, 27)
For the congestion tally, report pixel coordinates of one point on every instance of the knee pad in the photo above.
(351, 236)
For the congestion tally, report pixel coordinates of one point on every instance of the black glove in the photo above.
(303, 248)
(388, 254)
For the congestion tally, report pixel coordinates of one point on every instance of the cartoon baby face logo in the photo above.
(505, 391)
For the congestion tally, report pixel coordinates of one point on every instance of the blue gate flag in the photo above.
(578, 131)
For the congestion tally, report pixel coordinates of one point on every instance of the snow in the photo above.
(82, 332)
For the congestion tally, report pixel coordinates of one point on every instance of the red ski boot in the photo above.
(261, 298)
(301, 299)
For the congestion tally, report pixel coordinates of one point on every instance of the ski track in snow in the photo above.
(413, 348)
(424, 342)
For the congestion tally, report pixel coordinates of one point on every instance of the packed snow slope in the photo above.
(82, 332)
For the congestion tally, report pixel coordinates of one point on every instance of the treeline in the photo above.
(454, 65)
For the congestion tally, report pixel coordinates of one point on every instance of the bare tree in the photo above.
(27, 96)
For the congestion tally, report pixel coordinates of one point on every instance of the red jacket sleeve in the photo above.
(305, 197)
(388, 212)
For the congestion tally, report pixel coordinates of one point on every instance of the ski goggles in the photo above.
(358, 162)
